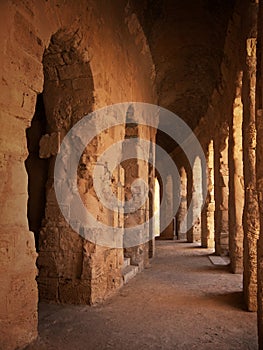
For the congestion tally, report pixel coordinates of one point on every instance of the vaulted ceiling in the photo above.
(187, 40)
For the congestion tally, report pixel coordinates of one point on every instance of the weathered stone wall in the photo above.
(116, 52)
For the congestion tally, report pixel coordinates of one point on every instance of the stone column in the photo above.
(168, 232)
(259, 171)
(18, 292)
(136, 168)
(194, 201)
(250, 213)
(156, 207)
(207, 219)
(190, 233)
(182, 211)
(150, 205)
(197, 199)
(221, 191)
(236, 187)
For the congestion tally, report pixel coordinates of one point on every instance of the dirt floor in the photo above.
(182, 301)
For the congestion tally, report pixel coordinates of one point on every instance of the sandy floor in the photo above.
(182, 301)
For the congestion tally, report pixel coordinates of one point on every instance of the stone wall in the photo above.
(114, 52)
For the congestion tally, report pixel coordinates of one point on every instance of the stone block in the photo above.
(70, 240)
(25, 36)
(20, 296)
(47, 265)
(49, 145)
(48, 288)
(74, 292)
(73, 71)
(16, 184)
(129, 272)
(62, 264)
(7, 251)
(53, 213)
(17, 204)
(81, 83)
(49, 239)
(13, 140)
(25, 70)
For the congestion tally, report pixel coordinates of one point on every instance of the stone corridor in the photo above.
(90, 92)
(182, 301)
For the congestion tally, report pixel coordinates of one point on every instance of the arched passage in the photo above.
(64, 271)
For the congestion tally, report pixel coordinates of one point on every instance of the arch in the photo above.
(68, 96)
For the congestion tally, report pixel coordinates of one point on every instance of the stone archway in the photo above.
(64, 273)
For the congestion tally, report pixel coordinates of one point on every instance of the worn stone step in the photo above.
(219, 260)
(129, 272)
(126, 262)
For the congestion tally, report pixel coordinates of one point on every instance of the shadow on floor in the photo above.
(233, 299)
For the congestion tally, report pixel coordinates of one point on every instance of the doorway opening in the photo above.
(37, 170)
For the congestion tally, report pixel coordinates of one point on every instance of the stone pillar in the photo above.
(136, 168)
(182, 211)
(150, 205)
(197, 199)
(152, 196)
(156, 222)
(189, 234)
(236, 187)
(221, 191)
(168, 232)
(194, 201)
(250, 213)
(207, 219)
(259, 171)
(18, 292)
